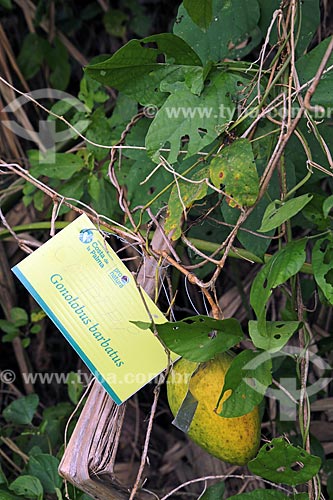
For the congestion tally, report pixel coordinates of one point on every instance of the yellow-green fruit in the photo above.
(235, 440)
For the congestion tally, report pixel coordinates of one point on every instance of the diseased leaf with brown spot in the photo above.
(189, 193)
(234, 171)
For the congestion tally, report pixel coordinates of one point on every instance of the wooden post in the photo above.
(89, 458)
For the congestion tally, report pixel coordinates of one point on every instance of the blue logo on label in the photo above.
(86, 235)
(118, 278)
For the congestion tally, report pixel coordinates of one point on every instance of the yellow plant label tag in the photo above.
(91, 296)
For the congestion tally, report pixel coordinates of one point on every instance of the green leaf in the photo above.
(61, 166)
(200, 338)
(99, 131)
(322, 264)
(200, 11)
(307, 67)
(268, 495)
(235, 171)
(310, 21)
(59, 494)
(19, 316)
(57, 60)
(266, 13)
(214, 492)
(22, 410)
(5, 495)
(6, 4)
(262, 150)
(92, 92)
(122, 113)
(115, 22)
(32, 53)
(274, 336)
(73, 188)
(135, 69)
(313, 212)
(248, 382)
(202, 118)
(45, 467)
(8, 327)
(232, 34)
(75, 387)
(327, 205)
(281, 462)
(184, 194)
(26, 342)
(3, 479)
(281, 267)
(27, 486)
(279, 212)
(103, 196)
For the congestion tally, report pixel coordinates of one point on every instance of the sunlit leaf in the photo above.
(234, 171)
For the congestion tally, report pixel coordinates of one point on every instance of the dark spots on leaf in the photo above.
(279, 325)
(277, 336)
(160, 58)
(240, 84)
(179, 19)
(188, 321)
(328, 258)
(269, 447)
(152, 189)
(175, 327)
(221, 175)
(329, 277)
(297, 466)
(323, 247)
(202, 132)
(149, 45)
(272, 215)
(265, 283)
